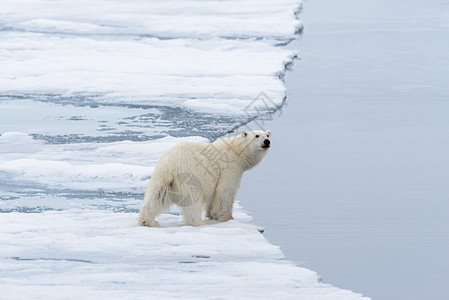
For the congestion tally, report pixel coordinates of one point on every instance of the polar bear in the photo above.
(197, 176)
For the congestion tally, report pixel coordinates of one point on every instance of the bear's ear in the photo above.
(268, 132)
(244, 133)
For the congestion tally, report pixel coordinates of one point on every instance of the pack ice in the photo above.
(91, 94)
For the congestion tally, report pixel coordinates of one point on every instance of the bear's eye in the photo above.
(268, 135)
(257, 136)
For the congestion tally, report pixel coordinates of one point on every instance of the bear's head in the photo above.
(249, 146)
(257, 140)
(255, 145)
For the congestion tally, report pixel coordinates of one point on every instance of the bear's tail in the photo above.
(156, 201)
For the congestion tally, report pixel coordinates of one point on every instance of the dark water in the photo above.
(356, 185)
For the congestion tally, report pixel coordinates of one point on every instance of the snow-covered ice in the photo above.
(94, 254)
(91, 94)
(147, 53)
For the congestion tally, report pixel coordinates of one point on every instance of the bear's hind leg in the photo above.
(153, 205)
(192, 214)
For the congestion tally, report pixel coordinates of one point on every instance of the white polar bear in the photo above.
(202, 175)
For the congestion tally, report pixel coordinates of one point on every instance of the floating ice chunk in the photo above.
(17, 138)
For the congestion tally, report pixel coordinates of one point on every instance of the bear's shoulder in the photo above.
(189, 146)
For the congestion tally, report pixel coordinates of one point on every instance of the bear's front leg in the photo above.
(222, 204)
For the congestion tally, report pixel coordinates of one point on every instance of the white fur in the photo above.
(198, 176)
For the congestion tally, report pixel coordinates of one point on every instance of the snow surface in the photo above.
(93, 254)
(91, 94)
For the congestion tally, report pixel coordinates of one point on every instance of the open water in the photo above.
(356, 184)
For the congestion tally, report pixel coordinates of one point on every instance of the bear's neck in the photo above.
(248, 160)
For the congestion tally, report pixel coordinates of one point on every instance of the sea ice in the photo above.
(92, 254)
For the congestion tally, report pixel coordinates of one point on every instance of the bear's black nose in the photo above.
(266, 143)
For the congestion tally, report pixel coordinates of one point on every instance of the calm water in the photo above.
(356, 185)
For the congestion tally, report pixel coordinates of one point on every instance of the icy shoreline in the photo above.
(96, 254)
